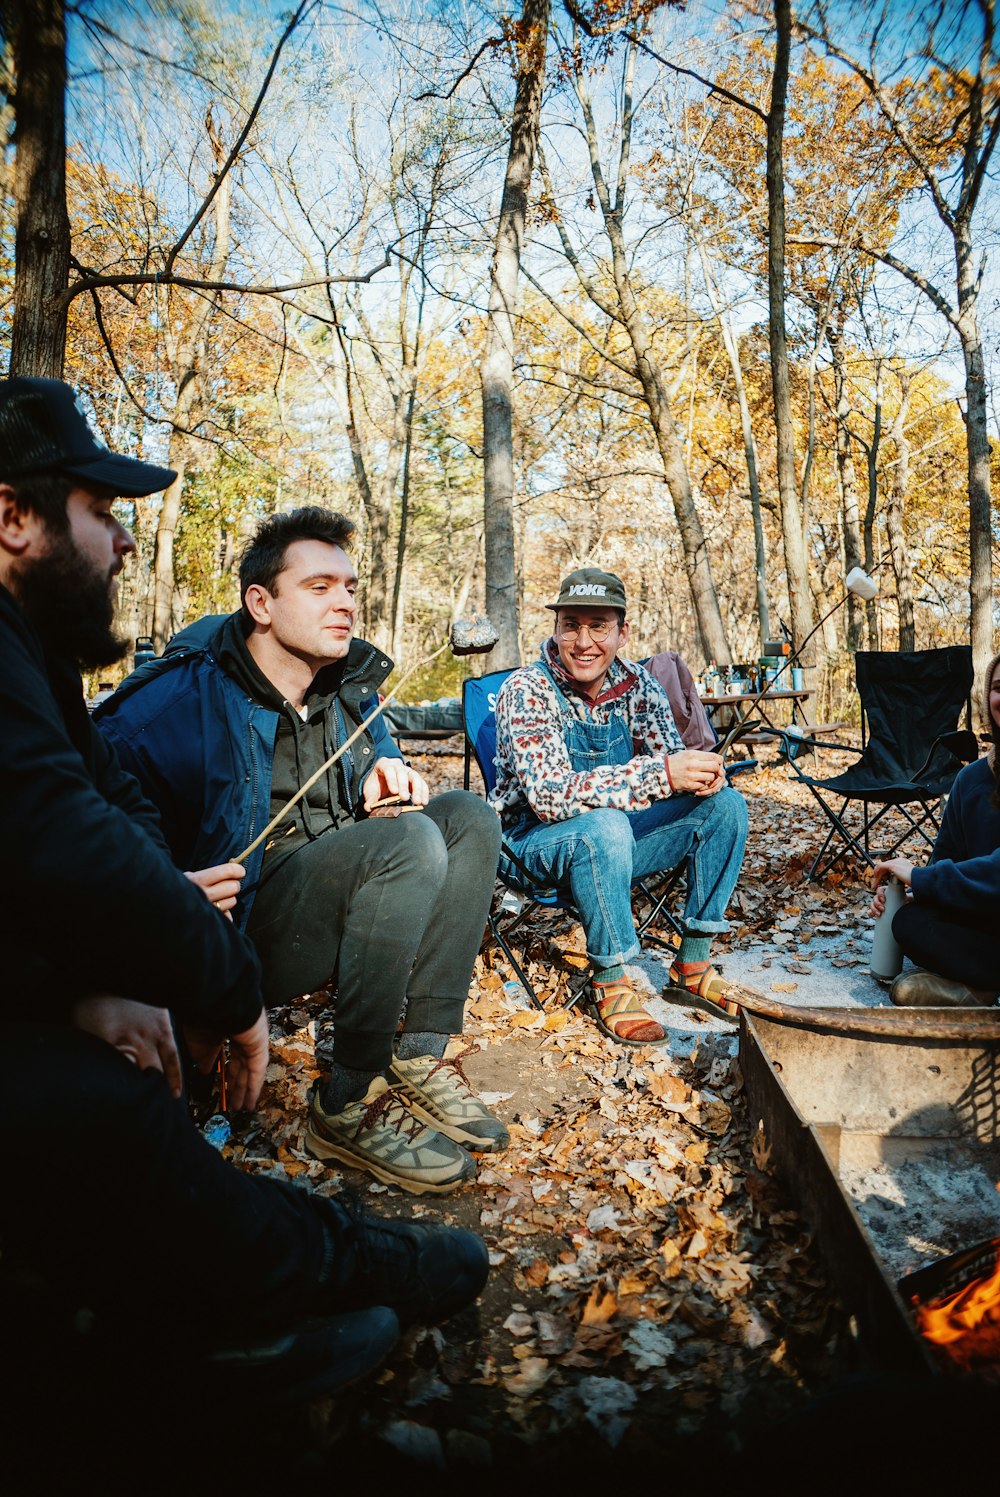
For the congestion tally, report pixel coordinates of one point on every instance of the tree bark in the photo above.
(848, 483)
(647, 370)
(978, 448)
(187, 361)
(871, 508)
(749, 449)
(37, 32)
(497, 371)
(792, 530)
(895, 532)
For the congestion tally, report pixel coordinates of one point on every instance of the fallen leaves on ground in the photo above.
(649, 1279)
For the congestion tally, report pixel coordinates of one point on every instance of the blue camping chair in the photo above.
(479, 702)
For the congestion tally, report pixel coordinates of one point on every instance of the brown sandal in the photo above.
(710, 992)
(620, 1015)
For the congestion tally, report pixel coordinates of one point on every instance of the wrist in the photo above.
(670, 778)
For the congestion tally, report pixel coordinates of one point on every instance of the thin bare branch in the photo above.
(431, 93)
(305, 6)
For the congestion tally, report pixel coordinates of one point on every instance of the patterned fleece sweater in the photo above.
(533, 766)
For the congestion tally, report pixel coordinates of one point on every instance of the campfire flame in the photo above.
(966, 1323)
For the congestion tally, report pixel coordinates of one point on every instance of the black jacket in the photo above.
(92, 902)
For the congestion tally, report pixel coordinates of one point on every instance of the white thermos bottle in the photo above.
(887, 958)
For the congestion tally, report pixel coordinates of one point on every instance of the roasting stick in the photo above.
(468, 636)
(303, 789)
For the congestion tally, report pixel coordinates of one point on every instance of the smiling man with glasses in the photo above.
(596, 789)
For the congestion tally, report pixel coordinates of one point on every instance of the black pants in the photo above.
(111, 1191)
(963, 950)
(396, 907)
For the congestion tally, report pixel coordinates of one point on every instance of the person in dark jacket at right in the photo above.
(948, 924)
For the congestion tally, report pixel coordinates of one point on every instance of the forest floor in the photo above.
(655, 1297)
(656, 1305)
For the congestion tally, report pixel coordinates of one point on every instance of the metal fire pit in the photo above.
(891, 1145)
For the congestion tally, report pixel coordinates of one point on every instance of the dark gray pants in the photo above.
(396, 908)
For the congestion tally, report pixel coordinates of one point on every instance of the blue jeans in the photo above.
(595, 857)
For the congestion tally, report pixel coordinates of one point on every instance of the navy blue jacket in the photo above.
(202, 748)
(964, 872)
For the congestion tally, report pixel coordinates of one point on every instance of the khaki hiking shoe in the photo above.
(381, 1135)
(439, 1092)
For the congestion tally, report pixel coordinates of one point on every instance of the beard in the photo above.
(71, 605)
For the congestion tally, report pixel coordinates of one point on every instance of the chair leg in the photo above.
(837, 825)
(658, 909)
(515, 965)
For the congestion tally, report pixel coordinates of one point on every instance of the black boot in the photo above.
(425, 1273)
(311, 1358)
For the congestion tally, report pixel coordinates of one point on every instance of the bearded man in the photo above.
(186, 1261)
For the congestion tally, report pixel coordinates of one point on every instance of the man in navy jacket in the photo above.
(221, 732)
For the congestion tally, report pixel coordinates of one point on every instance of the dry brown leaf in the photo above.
(761, 1150)
(558, 1020)
(600, 1307)
(669, 1251)
(784, 987)
(668, 1088)
(533, 1373)
(630, 1284)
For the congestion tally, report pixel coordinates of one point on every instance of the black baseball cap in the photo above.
(44, 429)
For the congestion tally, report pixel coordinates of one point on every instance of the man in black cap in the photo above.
(596, 789)
(109, 1188)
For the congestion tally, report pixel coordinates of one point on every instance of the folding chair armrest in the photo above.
(962, 743)
(808, 743)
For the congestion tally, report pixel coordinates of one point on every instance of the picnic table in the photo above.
(739, 702)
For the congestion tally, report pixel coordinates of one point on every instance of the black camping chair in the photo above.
(479, 700)
(911, 750)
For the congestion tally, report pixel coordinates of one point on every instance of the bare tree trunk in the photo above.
(37, 32)
(697, 563)
(498, 355)
(374, 607)
(186, 363)
(894, 530)
(871, 610)
(398, 591)
(848, 483)
(972, 135)
(749, 446)
(978, 447)
(792, 530)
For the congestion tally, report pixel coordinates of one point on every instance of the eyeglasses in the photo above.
(598, 630)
